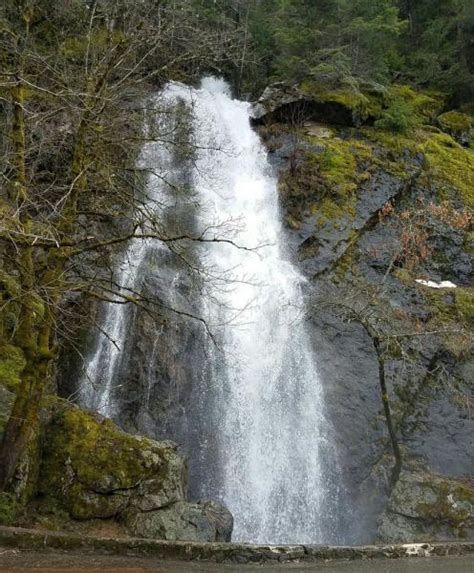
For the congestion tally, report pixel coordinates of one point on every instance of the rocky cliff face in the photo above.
(369, 212)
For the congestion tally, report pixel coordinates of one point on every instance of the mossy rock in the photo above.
(95, 470)
(346, 104)
(459, 125)
(450, 166)
(425, 104)
(447, 166)
(427, 507)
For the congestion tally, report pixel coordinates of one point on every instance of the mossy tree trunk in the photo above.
(35, 336)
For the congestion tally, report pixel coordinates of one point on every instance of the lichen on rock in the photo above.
(425, 507)
(201, 521)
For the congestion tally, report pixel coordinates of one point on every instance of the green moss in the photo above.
(92, 435)
(340, 169)
(456, 121)
(456, 306)
(464, 298)
(8, 509)
(346, 263)
(100, 38)
(425, 104)
(449, 164)
(452, 315)
(363, 104)
(12, 362)
(403, 275)
(339, 162)
(86, 458)
(395, 142)
(451, 506)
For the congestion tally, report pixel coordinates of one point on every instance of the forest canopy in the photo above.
(429, 43)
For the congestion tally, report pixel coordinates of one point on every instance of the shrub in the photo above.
(400, 117)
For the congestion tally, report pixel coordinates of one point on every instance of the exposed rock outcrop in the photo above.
(427, 507)
(201, 521)
(345, 104)
(94, 470)
(351, 199)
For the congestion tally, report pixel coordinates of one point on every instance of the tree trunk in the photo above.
(23, 421)
(388, 413)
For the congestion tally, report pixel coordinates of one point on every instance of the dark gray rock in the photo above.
(201, 521)
(426, 507)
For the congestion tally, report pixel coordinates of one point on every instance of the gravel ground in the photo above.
(15, 561)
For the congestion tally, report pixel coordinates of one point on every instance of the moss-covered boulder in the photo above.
(427, 507)
(91, 470)
(344, 104)
(458, 125)
(94, 470)
(202, 521)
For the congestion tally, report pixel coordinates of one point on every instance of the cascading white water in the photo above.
(261, 399)
(264, 392)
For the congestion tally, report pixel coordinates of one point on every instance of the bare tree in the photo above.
(73, 99)
(392, 333)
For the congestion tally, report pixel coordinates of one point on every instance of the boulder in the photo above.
(97, 471)
(459, 125)
(427, 507)
(276, 97)
(343, 104)
(201, 521)
(94, 470)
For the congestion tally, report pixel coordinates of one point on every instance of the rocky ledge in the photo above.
(33, 540)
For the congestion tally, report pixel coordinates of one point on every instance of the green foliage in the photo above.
(426, 43)
(437, 45)
(400, 117)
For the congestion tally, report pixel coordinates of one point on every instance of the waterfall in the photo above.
(264, 446)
